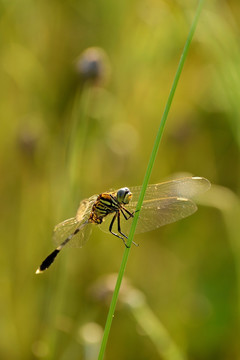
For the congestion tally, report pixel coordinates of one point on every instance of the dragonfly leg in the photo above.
(110, 229)
(117, 214)
(119, 226)
(119, 230)
(128, 212)
(127, 218)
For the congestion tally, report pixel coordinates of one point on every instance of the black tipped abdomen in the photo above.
(48, 261)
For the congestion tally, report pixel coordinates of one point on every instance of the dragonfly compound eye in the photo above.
(124, 195)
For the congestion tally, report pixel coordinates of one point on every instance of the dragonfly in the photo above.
(113, 211)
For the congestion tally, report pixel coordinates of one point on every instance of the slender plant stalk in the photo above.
(146, 180)
(75, 153)
(79, 129)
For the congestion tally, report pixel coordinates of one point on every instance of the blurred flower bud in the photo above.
(27, 141)
(90, 333)
(90, 336)
(93, 64)
(103, 288)
(30, 136)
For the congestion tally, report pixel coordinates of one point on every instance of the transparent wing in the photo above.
(66, 228)
(154, 213)
(187, 187)
(163, 204)
(85, 208)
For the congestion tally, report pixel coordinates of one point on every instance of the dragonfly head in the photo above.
(124, 195)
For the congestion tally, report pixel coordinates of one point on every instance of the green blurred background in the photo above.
(75, 123)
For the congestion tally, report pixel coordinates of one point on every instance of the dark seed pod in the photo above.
(93, 64)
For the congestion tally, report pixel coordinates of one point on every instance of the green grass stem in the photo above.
(146, 180)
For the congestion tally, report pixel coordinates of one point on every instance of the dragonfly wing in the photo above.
(154, 214)
(164, 211)
(85, 208)
(66, 228)
(186, 187)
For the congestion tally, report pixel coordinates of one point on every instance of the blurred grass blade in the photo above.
(151, 326)
(228, 203)
(146, 179)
